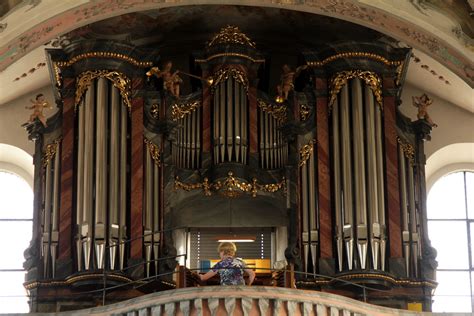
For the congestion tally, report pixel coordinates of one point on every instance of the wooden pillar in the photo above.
(67, 167)
(136, 172)
(324, 181)
(391, 172)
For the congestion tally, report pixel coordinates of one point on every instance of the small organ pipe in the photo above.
(80, 165)
(123, 183)
(237, 122)
(229, 118)
(244, 107)
(222, 112)
(115, 158)
(380, 184)
(347, 176)
(198, 138)
(403, 202)
(216, 125)
(148, 192)
(312, 194)
(55, 201)
(88, 157)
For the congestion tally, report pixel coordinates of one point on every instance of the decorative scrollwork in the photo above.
(154, 151)
(231, 187)
(133, 61)
(355, 55)
(370, 79)
(408, 150)
(304, 112)
(178, 111)
(305, 152)
(119, 80)
(224, 74)
(231, 35)
(155, 111)
(50, 152)
(277, 111)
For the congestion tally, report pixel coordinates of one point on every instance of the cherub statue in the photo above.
(422, 103)
(38, 105)
(286, 82)
(171, 81)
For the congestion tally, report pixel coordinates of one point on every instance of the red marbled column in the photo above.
(253, 137)
(67, 167)
(136, 173)
(324, 181)
(391, 162)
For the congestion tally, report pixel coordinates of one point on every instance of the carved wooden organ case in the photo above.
(123, 156)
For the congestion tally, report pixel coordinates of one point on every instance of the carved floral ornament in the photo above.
(277, 111)
(231, 35)
(224, 73)
(154, 151)
(370, 79)
(119, 80)
(178, 111)
(50, 151)
(408, 150)
(231, 187)
(306, 151)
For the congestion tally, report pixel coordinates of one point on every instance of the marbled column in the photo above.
(324, 180)
(253, 137)
(392, 185)
(136, 172)
(67, 166)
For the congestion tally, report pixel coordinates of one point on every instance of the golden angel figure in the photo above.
(171, 81)
(286, 82)
(39, 104)
(422, 103)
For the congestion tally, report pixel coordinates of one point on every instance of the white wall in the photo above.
(13, 114)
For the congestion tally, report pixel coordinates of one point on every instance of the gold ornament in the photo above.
(224, 73)
(231, 187)
(277, 111)
(50, 152)
(178, 111)
(408, 150)
(304, 112)
(370, 79)
(305, 152)
(119, 80)
(231, 35)
(154, 151)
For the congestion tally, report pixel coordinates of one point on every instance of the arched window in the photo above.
(16, 217)
(451, 230)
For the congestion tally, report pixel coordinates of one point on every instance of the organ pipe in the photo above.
(113, 175)
(86, 231)
(80, 181)
(347, 176)
(359, 171)
(337, 186)
(55, 207)
(372, 177)
(123, 185)
(380, 184)
(403, 202)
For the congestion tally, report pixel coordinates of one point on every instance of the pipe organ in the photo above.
(129, 165)
(358, 171)
(102, 120)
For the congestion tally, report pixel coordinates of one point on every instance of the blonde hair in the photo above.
(228, 248)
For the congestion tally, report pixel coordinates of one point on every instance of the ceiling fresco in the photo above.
(395, 18)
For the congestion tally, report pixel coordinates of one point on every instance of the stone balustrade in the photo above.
(240, 300)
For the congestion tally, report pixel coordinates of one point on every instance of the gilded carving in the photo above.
(50, 152)
(230, 54)
(178, 111)
(304, 112)
(154, 151)
(119, 80)
(224, 74)
(231, 35)
(370, 79)
(408, 150)
(305, 152)
(133, 61)
(422, 103)
(231, 187)
(155, 111)
(355, 55)
(277, 111)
